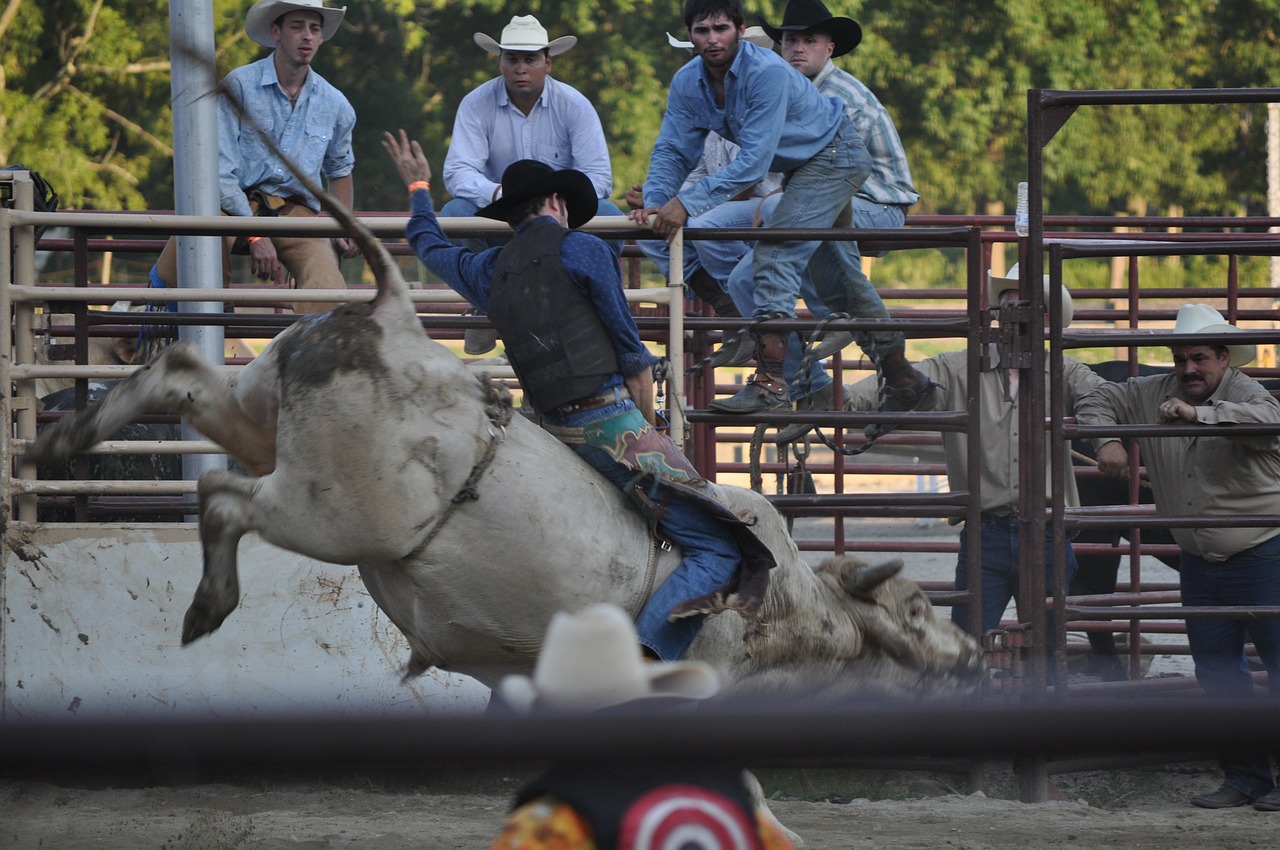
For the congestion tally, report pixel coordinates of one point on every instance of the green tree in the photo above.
(84, 90)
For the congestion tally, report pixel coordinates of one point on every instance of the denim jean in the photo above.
(814, 196)
(741, 286)
(462, 208)
(710, 554)
(718, 258)
(1000, 560)
(1251, 577)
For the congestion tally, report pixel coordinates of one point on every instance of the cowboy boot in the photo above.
(709, 290)
(478, 341)
(822, 399)
(738, 349)
(902, 388)
(830, 343)
(765, 390)
(730, 352)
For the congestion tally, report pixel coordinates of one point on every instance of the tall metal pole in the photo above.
(195, 169)
(1273, 178)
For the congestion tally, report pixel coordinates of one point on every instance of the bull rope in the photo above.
(498, 409)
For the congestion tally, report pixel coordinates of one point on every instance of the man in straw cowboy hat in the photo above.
(998, 462)
(524, 113)
(307, 117)
(810, 37)
(1193, 474)
(590, 662)
(556, 296)
(782, 123)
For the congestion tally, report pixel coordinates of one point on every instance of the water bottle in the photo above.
(1022, 218)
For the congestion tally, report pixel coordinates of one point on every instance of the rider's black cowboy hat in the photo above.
(527, 179)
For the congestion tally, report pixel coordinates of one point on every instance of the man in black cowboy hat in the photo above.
(810, 37)
(555, 294)
(752, 97)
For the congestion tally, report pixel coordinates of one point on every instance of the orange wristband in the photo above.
(419, 184)
(252, 239)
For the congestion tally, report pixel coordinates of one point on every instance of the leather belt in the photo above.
(594, 402)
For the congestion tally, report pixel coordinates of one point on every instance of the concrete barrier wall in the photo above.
(93, 621)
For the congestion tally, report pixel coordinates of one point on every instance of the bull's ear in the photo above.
(861, 581)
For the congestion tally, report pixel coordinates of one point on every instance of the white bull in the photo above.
(368, 438)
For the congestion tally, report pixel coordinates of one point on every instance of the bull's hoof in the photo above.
(202, 619)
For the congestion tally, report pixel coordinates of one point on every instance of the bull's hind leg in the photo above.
(225, 516)
(178, 382)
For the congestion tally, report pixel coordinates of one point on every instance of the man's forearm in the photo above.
(640, 385)
(344, 189)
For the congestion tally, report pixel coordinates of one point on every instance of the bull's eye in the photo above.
(916, 613)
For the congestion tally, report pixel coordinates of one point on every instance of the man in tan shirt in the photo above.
(1220, 475)
(999, 425)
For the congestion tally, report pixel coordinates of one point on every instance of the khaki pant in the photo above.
(312, 261)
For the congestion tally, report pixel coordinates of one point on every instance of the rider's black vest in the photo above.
(612, 798)
(556, 343)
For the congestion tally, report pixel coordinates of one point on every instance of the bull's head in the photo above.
(897, 619)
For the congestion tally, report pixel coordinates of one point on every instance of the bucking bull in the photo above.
(375, 446)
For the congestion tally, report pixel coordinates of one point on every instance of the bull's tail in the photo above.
(391, 283)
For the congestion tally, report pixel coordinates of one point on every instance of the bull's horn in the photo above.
(862, 580)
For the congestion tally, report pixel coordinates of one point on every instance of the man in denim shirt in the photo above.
(556, 296)
(311, 121)
(782, 123)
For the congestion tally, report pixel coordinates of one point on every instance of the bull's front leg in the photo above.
(224, 519)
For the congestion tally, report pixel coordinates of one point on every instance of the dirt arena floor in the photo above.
(1124, 809)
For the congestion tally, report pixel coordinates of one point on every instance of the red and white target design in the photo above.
(686, 817)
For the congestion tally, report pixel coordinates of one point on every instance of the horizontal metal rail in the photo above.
(790, 732)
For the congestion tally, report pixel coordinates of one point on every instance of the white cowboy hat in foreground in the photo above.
(592, 660)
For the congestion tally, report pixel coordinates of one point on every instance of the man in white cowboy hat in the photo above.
(524, 113)
(310, 120)
(708, 262)
(810, 37)
(999, 424)
(782, 123)
(590, 662)
(1193, 474)
(556, 296)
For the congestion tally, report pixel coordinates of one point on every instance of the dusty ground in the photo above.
(1129, 809)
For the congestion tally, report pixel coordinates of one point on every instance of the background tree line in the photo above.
(84, 91)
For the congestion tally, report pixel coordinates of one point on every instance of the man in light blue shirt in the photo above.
(811, 37)
(781, 123)
(311, 121)
(523, 114)
(708, 262)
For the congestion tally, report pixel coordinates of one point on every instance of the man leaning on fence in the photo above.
(782, 123)
(1224, 475)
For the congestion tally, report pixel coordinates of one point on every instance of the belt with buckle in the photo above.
(594, 402)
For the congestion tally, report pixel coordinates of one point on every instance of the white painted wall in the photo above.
(93, 619)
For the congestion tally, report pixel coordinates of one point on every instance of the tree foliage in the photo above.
(85, 97)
